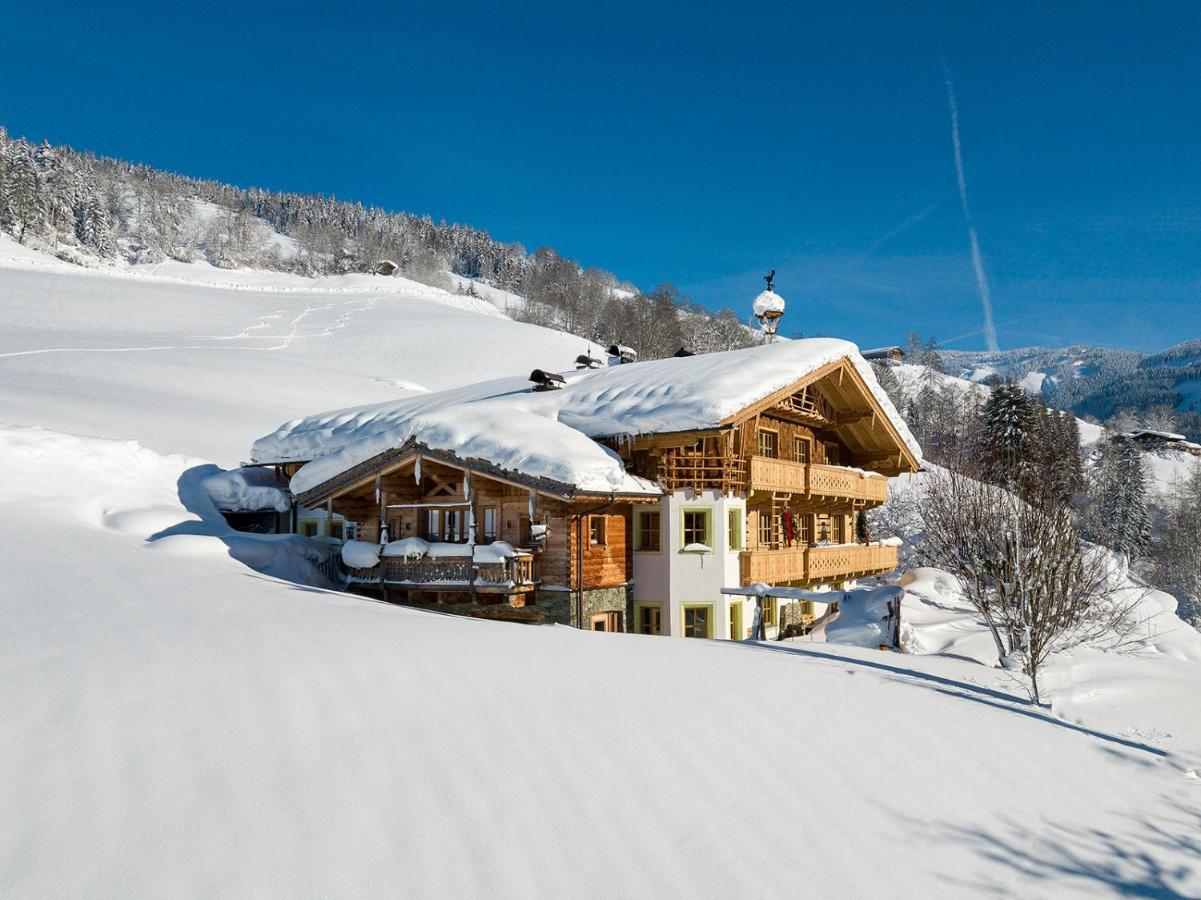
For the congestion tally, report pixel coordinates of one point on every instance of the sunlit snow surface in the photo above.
(179, 719)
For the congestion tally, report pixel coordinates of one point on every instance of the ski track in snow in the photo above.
(262, 322)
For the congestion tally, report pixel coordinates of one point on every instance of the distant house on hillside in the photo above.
(622, 499)
(884, 354)
(1149, 439)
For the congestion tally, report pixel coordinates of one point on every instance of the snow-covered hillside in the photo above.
(191, 358)
(178, 719)
(1168, 469)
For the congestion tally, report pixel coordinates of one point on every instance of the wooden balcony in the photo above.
(815, 564)
(820, 482)
(450, 573)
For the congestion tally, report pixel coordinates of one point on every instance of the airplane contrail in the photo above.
(990, 330)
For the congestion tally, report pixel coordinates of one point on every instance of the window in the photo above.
(454, 525)
(736, 632)
(769, 611)
(650, 618)
(768, 443)
(308, 528)
(840, 529)
(832, 454)
(448, 525)
(805, 522)
(696, 528)
(736, 524)
(596, 531)
(767, 530)
(335, 528)
(608, 621)
(490, 516)
(698, 621)
(801, 450)
(647, 531)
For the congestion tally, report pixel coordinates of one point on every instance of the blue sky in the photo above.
(701, 144)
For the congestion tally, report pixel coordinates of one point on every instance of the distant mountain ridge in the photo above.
(1104, 383)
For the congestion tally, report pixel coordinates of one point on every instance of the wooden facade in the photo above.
(563, 542)
(806, 459)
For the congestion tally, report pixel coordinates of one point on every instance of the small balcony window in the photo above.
(768, 443)
(801, 450)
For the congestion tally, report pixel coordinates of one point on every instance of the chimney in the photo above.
(546, 381)
(619, 354)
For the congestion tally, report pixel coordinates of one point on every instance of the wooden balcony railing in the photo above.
(816, 480)
(678, 469)
(450, 573)
(811, 564)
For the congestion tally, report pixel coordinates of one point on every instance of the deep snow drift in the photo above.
(176, 722)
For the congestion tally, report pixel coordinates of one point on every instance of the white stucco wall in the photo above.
(673, 577)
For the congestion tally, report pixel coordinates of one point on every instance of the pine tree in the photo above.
(932, 357)
(93, 225)
(23, 201)
(887, 379)
(1009, 431)
(913, 349)
(1060, 453)
(1121, 517)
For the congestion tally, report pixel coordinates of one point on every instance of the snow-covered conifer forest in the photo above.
(91, 210)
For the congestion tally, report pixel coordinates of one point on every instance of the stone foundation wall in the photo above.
(602, 600)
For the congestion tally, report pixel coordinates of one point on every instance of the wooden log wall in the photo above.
(748, 440)
(445, 485)
(610, 564)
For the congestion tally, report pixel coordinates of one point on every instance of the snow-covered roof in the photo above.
(1159, 435)
(768, 301)
(549, 434)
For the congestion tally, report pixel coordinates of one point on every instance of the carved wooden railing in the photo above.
(682, 468)
(444, 570)
(815, 563)
(427, 570)
(773, 566)
(816, 480)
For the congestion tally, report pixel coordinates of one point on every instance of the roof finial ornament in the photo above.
(768, 308)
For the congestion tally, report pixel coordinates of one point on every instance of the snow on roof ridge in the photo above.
(550, 434)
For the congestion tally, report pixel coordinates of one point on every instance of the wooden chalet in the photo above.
(588, 505)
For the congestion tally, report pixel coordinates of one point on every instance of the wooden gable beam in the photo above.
(776, 396)
(848, 376)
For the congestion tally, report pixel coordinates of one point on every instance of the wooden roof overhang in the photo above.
(858, 419)
(364, 475)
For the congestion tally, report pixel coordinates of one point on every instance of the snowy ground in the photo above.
(191, 358)
(176, 722)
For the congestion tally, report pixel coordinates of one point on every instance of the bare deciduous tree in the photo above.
(1024, 568)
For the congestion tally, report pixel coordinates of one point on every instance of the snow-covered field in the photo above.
(178, 719)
